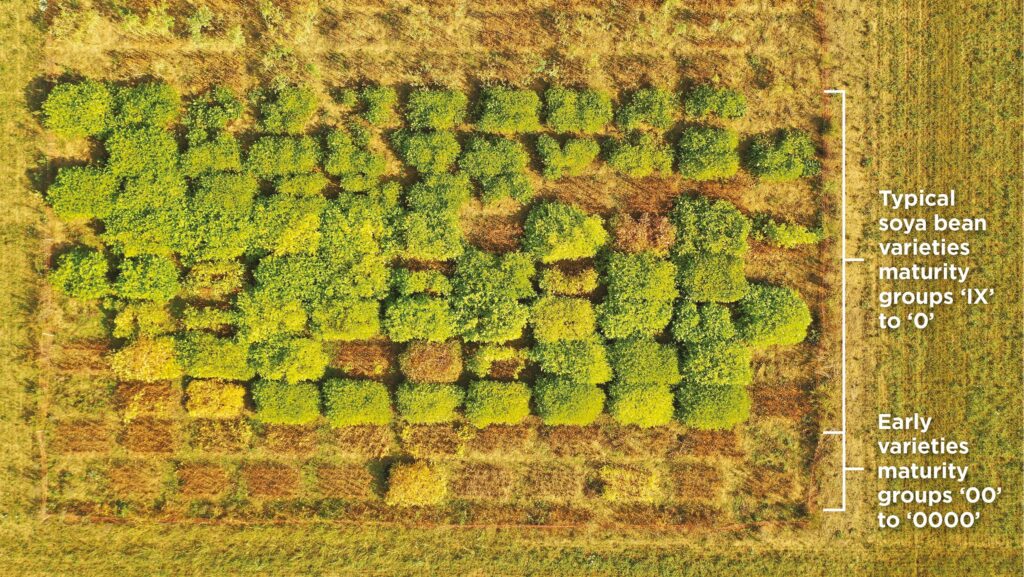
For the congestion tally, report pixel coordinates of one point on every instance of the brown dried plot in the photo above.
(507, 370)
(695, 481)
(349, 481)
(644, 232)
(493, 232)
(86, 356)
(149, 435)
(434, 440)
(290, 439)
(483, 481)
(572, 441)
(270, 480)
(644, 514)
(561, 515)
(789, 400)
(370, 359)
(770, 486)
(161, 399)
(483, 513)
(219, 435)
(590, 193)
(135, 480)
(83, 436)
(632, 441)
(202, 480)
(554, 481)
(369, 441)
(628, 483)
(695, 443)
(425, 362)
(503, 440)
(647, 195)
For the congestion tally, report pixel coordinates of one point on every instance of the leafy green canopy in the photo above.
(281, 403)
(148, 152)
(153, 278)
(564, 401)
(641, 361)
(584, 360)
(439, 193)
(428, 403)
(351, 159)
(716, 364)
(554, 280)
(410, 282)
(580, 111)
(508, 111)
(557, 231)
(286, 109)
(787, 155)
(220, 217)
(648, 108)
(82, 273)
(708, 277)
(499, 165)
(213, 110)
(487, 291)
(146, 104)
(379, 105)
(709, 226)
(708, 153)
(641, 288)
(483, 359)
(419, 317)
(428, 152)
(77, 109)
(784, 234)
(349, 402)
(569, 159)
(641, 404)
(350, 319)
(562, 318)
(640, 155)
(147, 359)
(289, 359)
(706, 323)
(435, 109)
(772, 315)
(217, 153)
(272, 156)
(712, 406)
(208, 356)
(707, 99)
(497, 403)
(82, 192)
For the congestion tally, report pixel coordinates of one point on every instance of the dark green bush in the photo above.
(379, 105)
(712, 406)
(428, 152)
(498, 164)
(564, 401)
(349, 402)
(213, 109)
(286, 109)
(569, 159)
(562, 318)
(640, 276)
(640, 361)
(640, 155)
(272, 156)
(707, 99)
(648, 108)
(76, 109)
(709, 226)
(206, 356)
(556, 231)
(143, 152)
(149, 215)
(435, 109)
(288, 224)
(350, 158)
(624, 318)
(486, 294)
(218, 154)
(81, 273)
(772, 315)
(708, 153)
(146, 104)
(509, 111)
(289, 359)
(439, 193)
(641, 404)
(279, 403)
(408, 282)
(583, 360)
(419, 317)
(82, 192)
(347, 320)
(581, 111)
(784, 234)
(786, 155)
(708, 277)
(707, 323)
(497, 403)
(152, 278)
(716, 364)
(428, 403)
